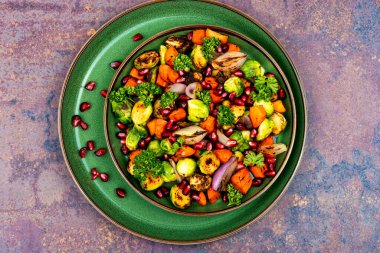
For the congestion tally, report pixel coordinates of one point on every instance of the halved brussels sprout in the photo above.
(152, 75)
(186, 167)
(197, 110)
(208, 163)
(141, 113)
(198, 58)
(168, 147)
(151, 183)
(251, 68)
(234, 84)
(238, 111)
(169, 173)
(163, 50)
(200, 182)
(268, 106)
(181, 43)
(148, 59)
(239, 155)
(122, 111)
(265, 129)
(133, 139)
(179, 199)
(155, 147)
(279, 122)
(242, 140)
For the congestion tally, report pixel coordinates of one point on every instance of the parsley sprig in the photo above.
(234, 196)
(225, 116)
(209, 47)
(251, 159)
(168, 98)
(204, 96)
(183, 62)
(265, 88)
(146, 92)
(146, 162)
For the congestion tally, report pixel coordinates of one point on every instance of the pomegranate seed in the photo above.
(238, 102)
(199, 145)
(181, 72)
(120, 192)
(83, 125)
(281, 93)
(137, 37)
(240, 166)
(219, 49)
(271, 166)
(166, 134)
(224, 94)
(91, 145)
(124, 149)
(270, 160)
(174, 128)
(183, 104)
(140, 81)
(219, 145)
(232, 96)
(229, 131)
(224, 48)
(214, 136)
(182, 184)
(143, 72)
(239, 73)
(166, 156)
(120, 125)
(75, 120)
(214, 113)
(190, 36)
(186, 190)
(253, 133)
(103, 93)
(159, 194)
(93, 177)
(208, 71)
(206, 85)
(247, 91)
(269, 74)
(125, 79)
(104, 177)
(224, 197)
(165, 112)
(142, 144)
(270, 173)
(257, 182)
(181, 80)
(183, 97)
(165, 191)
(148, 139)
(195, 197)
(115, 64)
(123, 141)
(240, 126)
(121, 135)
(90, 86)
(219, 87)
(169, 124)
(231, 143)
(84, 106)
(253, 144)
(244, 98)
(172, 139)
(83, 152)
(209, 146)
(219, 92)
(100, 152)
(94, 171)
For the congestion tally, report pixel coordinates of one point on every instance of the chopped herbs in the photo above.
(233, 195)
(183, 62)
(146, 92)
(251, 159)
(209, 47)
(265, 87)
(168, 98)
(225, 116)
(204, 96)
(146, 162)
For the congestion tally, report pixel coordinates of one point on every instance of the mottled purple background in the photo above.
(333, 204)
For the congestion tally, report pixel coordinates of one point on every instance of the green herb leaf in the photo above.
(251, 159)
(146, 92)
(183, 62)
(204, 96)
(146, 162)
(225, 116)
(265, 87)
(209, 47)
(168, 98)
(234, 196)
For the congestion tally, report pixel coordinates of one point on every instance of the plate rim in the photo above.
(177, 29)
(178, 242)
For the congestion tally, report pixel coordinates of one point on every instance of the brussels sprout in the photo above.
(141, 130)
(169, 173)
(238, 111)
(252, 68)
(234, 84)
(168, 147)
(198, 58)
(151, 183)
(122, 111)
(208, 163)
(242, 138)
(133, 139)
(279, 122)
(148, 59)
(200, 182)
(155, 147)
(265, 129)
(181, 43)
(197, 110)
(141, 113)
(268, 106)
(179, 199)
(186, 167)
(152, 75)
(163, 50)
(239, 155)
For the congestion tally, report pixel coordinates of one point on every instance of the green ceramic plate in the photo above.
(254, 51)
(113, 42)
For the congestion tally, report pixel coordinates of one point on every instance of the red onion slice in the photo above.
(223, 175)
(179, 88)
(190, 90)
(222, 138)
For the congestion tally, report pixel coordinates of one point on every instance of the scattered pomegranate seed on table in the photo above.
(137, 37)
(75, 120)
(103, 93)
(104, 177)
(83, 152)
(90, 86)
(84, 106)
(100, 152)
(83, 125)
(94, 173)
(120, 192)
(115, 64)
(91, 145)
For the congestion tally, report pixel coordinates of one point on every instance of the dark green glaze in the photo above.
(247, 46)
(113, 42)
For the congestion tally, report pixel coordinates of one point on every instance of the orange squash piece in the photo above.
(178, 114)
(163, 72)
(170, 54)
(152, 126)
(208, 124)
(279, 106)
(223, 154)
(267, 141)
(161, 82)
(233, 48)
(214, 97)
(211, 81)
(202, 199)
(135, 73)
(185, 151)
(212, 195)
(257, 114)
(259, 172)
(160, 127)
(198, 36)
(132, 82)
(210, 34)
(242, 180)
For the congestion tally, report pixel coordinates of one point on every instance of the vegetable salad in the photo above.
(200, 120)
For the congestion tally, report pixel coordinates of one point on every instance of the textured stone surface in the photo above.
(333, 204)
